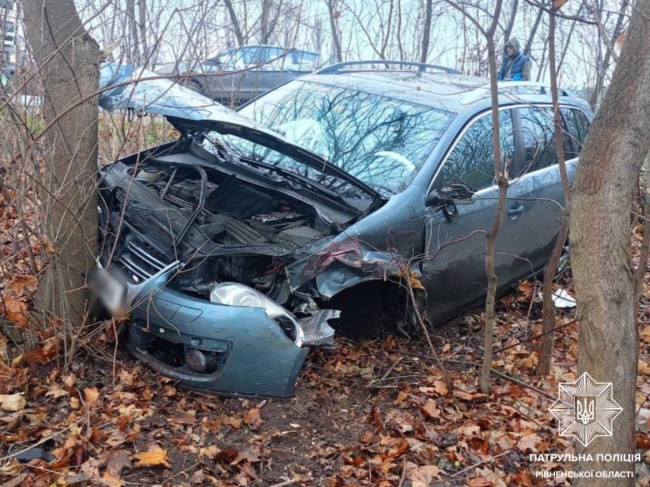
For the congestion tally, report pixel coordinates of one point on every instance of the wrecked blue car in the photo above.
(353, 197)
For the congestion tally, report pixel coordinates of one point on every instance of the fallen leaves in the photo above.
(16, 296)
(643, 367)
(422, 476)
(91, 395)
(529, 443)
(117, 461)
(12, 402)
(430, 409)
(530, 362)
(252, 418)
(155, 457)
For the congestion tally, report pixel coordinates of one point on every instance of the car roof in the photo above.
(267, 46)
(456, 93)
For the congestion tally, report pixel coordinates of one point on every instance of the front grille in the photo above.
(140, 262)
(152, 228)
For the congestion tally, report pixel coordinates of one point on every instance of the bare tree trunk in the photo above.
(426, 31)
(511, 21)
(567, 44)
(600, 240)
(548, 319)
(400, 45)
(142, 24)
(645, 243)
(542, 64)
(268, 21)
(604, 63)
(241, 40)
(54, 30)
(533, 32)
(336, 35)
(502, 181)
(133, 28)
(501, 177)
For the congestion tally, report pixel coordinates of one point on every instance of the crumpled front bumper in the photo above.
(256, 357)
(250, 353)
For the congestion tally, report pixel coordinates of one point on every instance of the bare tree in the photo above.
(426, 31)
(501, 177)
(68, 60)
(334, 14)
(142, 25)
(269, 19)
(134, 52)
(511, 20)
(600, 239)
(533, 31)
(603, 63)
(234, 19)
(548, 319)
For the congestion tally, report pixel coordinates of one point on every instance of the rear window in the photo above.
(537, 130)
(577, 125)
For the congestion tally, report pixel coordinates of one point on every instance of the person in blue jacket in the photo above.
(515, 65)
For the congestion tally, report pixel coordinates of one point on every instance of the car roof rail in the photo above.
(335, 68)
(515, 88)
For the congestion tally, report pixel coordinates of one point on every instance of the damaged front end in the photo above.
(196, 243)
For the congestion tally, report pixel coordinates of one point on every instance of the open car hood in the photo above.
(190, 112)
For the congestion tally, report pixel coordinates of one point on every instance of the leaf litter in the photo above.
(367, 413)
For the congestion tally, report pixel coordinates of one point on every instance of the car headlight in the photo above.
(234, 294)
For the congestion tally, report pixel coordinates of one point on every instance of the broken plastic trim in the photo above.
(118, 295)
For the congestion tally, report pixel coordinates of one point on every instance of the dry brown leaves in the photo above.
(348, 426)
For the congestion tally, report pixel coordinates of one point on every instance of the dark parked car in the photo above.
(237, 75)
(234, 246)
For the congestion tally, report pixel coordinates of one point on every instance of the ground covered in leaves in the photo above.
(378, 412)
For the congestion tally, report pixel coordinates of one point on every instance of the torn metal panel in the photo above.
(316, 328)
(344, 263)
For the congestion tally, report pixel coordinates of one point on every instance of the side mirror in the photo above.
(446, 199)
(454, 194)
(434, 199)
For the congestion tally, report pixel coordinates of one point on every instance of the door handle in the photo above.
(515, 211)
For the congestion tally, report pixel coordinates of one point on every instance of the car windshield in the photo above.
(380, 141)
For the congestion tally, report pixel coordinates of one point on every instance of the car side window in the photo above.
(577, 128)
(273, 53)
(243, 57)
(472, 162)
(537, 130)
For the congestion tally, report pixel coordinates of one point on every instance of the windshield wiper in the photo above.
(302, 179)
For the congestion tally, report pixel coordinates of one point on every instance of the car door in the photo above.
(537, 185)
(274, 71)
(454, 262)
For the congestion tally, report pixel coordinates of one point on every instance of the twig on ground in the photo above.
(390, 369)
(282, 484)
(529, 339)
(506, 377)
(401, 479)
(43, 440)
(480, 463)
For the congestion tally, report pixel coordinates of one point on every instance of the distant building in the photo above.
(8, 31)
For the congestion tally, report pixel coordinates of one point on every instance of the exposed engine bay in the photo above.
(219, 224)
